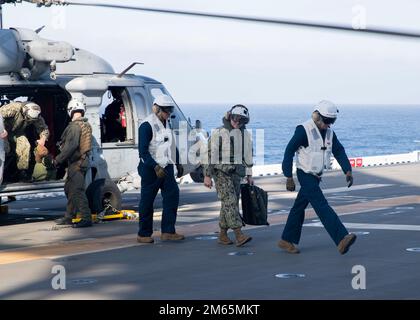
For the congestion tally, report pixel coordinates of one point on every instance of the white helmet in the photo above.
(75, 105)
(165, 103)
(327, 109)
(32, 110)
(240, 110)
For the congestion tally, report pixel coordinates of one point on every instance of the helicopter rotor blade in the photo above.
(377, 31)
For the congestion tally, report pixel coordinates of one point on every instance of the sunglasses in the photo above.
(328, 120)
(240, 119)
(167, 109)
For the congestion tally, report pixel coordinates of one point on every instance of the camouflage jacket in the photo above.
(15, 122)
(229, 151)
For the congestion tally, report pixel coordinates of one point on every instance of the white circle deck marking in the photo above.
(289, 275)
(240, 253)
(206, 238)
(83, 281)
(361, 233)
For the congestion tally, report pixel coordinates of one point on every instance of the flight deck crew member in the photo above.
(229, 161)
(156, 169)
(3, 136)
(75, 146)
(314, 142)
(17, 117)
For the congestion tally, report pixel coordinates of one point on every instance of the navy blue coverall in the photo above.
(150, 185)
(310, 192)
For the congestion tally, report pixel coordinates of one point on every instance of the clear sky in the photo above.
(214, 61)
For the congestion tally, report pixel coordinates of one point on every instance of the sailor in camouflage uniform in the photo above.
(75, 146)
(229, 161)
(17, 117)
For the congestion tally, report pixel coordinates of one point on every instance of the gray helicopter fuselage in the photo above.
(55, 72)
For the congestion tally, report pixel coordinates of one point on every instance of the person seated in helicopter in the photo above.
(114, 119)
(17, 117)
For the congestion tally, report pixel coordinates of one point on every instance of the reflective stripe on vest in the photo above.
(317, 156)
(160, 145)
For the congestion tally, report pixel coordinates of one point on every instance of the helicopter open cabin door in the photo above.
(118, 127)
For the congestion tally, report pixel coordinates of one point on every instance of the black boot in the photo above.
(24, 176)
(83, 224)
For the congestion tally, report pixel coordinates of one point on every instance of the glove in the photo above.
(180, 170)
(290, 184)
(40, 152)
(349, 179)
(55, 163)
(160, 172)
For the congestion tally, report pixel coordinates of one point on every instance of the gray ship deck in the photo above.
(105, 262)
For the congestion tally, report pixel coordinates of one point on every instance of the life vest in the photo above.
(85, 143)
(160, 145)
(317, 155)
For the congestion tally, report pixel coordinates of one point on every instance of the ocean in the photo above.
(363, 130)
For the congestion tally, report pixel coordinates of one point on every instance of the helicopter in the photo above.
(53, 72)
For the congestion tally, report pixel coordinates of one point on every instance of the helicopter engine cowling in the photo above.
(11, 56)
(23, 52)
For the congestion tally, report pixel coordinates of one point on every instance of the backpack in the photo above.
(254, 205)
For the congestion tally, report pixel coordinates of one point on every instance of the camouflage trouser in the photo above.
(228, 187)
(74, 188)
(23, 149)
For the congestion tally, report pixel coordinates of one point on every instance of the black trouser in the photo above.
(74, 188)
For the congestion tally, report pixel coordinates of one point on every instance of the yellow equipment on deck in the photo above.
(121, 214)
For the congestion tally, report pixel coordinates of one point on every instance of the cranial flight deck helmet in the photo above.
(164, 103)
(75, 105)
(31, 110)
(239, 113)
(327, 110)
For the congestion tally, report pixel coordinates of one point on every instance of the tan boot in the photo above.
(145, 239)
(171, 237)
(223, 237)
(288, 246)
(241, 239)
(346, 242)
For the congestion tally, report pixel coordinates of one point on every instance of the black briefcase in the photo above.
(254, 205)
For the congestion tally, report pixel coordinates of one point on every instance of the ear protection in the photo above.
(229, 113)
(155, 109)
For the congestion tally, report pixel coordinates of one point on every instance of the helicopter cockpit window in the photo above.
(115, 119)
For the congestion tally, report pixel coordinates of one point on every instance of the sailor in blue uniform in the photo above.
(314, 142)
(156, 169)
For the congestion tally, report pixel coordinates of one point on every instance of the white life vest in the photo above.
(2, 151)
(317, 155)
(160, 145)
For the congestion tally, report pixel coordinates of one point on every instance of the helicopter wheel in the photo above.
(103, 193)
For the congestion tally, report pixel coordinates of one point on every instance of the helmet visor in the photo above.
(327, 120)
(167, 109)
(239, 119)
(33, 113)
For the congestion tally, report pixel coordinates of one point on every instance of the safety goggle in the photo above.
(33, 114)
(167, 109)
(328, 120)
(239, 119)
